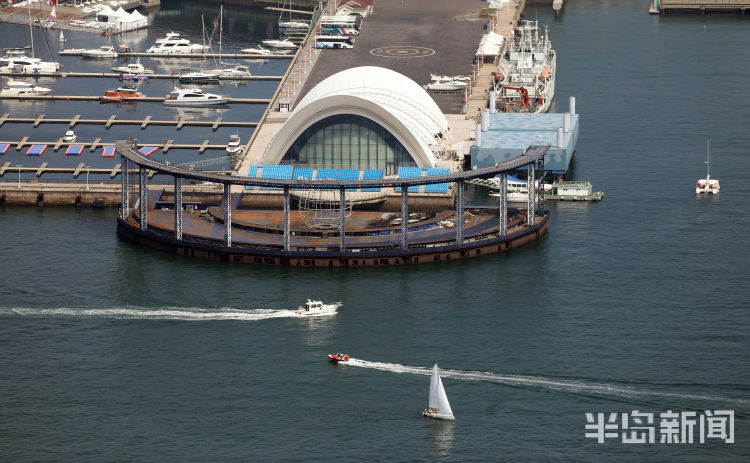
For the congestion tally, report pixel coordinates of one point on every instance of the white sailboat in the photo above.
(62, 37)
(438, 404)
(707, 185)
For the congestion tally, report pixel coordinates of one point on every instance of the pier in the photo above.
(112, 120)
(116, 75)
(77, 52)
(164, 146)
(702, 7)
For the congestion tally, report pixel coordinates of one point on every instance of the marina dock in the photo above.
(60, 143)
(702, 7)
(78, 52)
(116, 75)
(112, 120)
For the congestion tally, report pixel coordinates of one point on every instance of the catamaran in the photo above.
(439, 407)
(707, 185)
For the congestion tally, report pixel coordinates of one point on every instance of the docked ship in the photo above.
(173, 44)
(525, 78)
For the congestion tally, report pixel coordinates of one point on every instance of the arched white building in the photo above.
(364, 117)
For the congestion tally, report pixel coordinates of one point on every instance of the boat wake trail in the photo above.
(158, 313)
(603, 390)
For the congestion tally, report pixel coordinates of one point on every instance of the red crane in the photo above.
(524, 98)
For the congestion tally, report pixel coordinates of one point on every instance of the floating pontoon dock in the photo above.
(112, 120)
(116, 75)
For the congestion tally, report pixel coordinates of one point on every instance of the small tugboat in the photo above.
(336, 358)
(318, 308)
(128, 92)
(69, 137)
(707, 185)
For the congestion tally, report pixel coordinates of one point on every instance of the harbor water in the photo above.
(113, 352)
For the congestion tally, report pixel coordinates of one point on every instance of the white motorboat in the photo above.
(447, 85)
(439, 407)
(257, 51)
(516, 189)
(105, 51)
(318, 308)
(20, 88)
(133, 68)
(70, 136)
(293, 25)
(173, 44)
(193, 97)
(234, 144)
(707, 185)
(199, 77)
(26, 64)
(228, 72)
(275, 43)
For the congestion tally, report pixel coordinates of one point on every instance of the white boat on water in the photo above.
(62, 37)
(257, 51)
(27, 64)
(70, 136)
(173, 44)
(276, 43)
(133, 68)
(293, 25)
(318, 308)
(193, 97)
(105, 51)
(234, 144)
(438, 404)
(20, 88)
(447, 85)
(707, 185)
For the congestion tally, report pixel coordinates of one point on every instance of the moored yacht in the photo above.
(257, 51)
(173, 44)
(22, 63)
(105, 51)
(133, 68)
(127, 92)
(20, 88)
(193, 97)
(199, 77)
(234, 144)
(275, 43)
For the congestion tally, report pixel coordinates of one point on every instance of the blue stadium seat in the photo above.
(409, 172)
(329, 174)
(372, 174)
(276, 172)
(437, 187)
(253, 172)
(302, 173)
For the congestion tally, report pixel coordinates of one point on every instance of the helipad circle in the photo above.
(404, 51)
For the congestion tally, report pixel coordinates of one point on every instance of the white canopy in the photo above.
(491, 44)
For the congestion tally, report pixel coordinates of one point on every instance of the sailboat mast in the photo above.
(708, 158)
(221, 26)
(31, 31)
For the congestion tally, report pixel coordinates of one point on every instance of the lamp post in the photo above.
(19, 177)
(87, 177)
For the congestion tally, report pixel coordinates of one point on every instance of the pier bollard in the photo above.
(478, 135)
(566, 122)
(485, 120)
(572, 105)
(491, 104)
(559, 137)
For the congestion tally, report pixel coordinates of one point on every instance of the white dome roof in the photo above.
(393, 100)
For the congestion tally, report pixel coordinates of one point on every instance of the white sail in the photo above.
(434, 379)
(443, 406)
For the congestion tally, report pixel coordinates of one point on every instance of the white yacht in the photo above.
(22, 63)
(193, 97)
(257, 51)
(517, 189)
(105, 51)
(234, 144)
(318, 308)
(133, 68)
(70, 136)
(275, 43)
(293, 25)
(20, 88)
(438, 404)
(707, 185)
(238, 70)
(173, 44)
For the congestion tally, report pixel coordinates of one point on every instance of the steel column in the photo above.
(286, 218)
(404, 216)
(228, 214)
(531, 204)
(178, 208)
(503, 205)
(342, 224)
(125, 207)
(540, 191)
(142, 193)
(460, 212)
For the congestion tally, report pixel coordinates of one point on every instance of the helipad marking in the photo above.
(402, 52)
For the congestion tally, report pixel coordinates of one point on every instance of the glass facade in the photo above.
(347, 141)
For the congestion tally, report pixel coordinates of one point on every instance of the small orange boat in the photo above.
(128, 92)
(338, 357)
